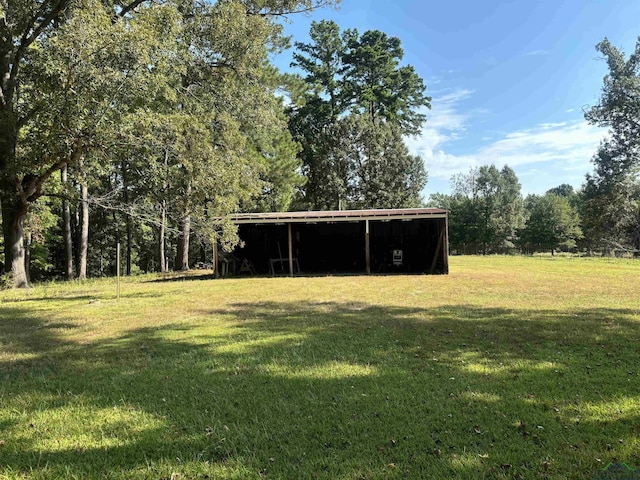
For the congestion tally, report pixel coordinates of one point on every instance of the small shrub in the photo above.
(6, 281)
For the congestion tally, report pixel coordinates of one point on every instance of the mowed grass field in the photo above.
(509, 367)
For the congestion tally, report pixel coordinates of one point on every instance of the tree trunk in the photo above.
(66, 220)
(128, 227)
(13, 208)
(635, 235)
(13, 214)
(129, 244)
(182, 250)
(163, 219)
(164, 261)
(182, 254)
(28, 238)
(84, 232)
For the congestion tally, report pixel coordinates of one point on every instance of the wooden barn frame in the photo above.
(347, 241)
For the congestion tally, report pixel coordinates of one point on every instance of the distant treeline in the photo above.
(487, 214)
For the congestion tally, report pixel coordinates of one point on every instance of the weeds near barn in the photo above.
(509, 367)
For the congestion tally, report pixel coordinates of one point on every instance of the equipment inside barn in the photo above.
(397, 258)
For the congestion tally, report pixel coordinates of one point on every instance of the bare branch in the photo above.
(128, 8)
(110, 201)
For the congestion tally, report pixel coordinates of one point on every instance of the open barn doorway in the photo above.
(362, 241)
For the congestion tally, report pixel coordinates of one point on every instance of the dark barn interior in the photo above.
(371, 241)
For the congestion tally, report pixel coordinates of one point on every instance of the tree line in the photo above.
(487, 215)
(146, 123)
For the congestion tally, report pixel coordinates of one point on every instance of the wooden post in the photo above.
(215, 258)
(446, 245)
(290, 249)
(437, 252)
(118, 271)
(367, 250)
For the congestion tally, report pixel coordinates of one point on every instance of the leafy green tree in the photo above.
(612, 203)
(376, 85)
(384, 174)
(73, 71)
(272, 146)
(40, 236)
(463, 220)
(552, 224)
(66, 66)
(497, 205)
(232, 94)
(619, 104)
(324, 168)
(563, 190)
(321, 60)
(509, 214)
(486, 210)
(281, 177)
(313, 116)
(356, 94)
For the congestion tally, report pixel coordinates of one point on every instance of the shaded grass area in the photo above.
(485, 373)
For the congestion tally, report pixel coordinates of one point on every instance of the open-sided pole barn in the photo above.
(346, 241)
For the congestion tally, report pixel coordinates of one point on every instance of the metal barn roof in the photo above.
(338, 215)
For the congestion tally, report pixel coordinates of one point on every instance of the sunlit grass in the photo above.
(509, 367)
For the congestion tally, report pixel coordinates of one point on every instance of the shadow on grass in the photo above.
(198, 275)
(334, 390)
(24, 332)
(188, 276)
(73, 297)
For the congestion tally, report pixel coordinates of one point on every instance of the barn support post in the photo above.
(367, 248)
(438, 249)
(446, 246)
(290, 249)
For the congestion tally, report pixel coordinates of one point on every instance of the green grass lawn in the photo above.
(509, 367)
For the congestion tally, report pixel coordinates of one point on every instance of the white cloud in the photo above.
(571, 143)
(533, 53)
(445, 123)
(566, 148)
(550, 126)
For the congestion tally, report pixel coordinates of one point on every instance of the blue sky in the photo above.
(509, 79)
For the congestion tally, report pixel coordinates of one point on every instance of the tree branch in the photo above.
(29, 36)
(128, 8)
(30, 188)
(22, 121)
(28, 39)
